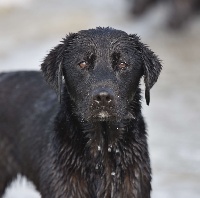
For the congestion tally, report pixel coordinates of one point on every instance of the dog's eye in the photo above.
(83, 64)
(123, 65)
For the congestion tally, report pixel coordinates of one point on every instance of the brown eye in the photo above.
(83, 65)
(122, 65)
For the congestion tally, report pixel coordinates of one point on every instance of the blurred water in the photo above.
(28, 29)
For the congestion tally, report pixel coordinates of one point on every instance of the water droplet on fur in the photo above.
(117, 150)
(99, 148)
(113, 173)
(117, 128)
(109, 148)
(118, 96)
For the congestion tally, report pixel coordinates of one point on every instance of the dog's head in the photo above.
(102, 68)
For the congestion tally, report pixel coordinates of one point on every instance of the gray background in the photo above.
(30, 28)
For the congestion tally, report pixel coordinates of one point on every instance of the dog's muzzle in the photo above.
(103, 104)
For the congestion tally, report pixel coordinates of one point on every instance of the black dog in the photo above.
(92, 145)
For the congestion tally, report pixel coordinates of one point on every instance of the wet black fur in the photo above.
(68, 149)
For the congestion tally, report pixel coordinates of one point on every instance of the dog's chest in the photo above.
(111, 176)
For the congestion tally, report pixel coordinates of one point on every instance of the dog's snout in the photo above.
(103, 97)
(103, 104)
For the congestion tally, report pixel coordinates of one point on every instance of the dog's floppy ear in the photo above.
(152, 68)
(151, 65)
(52, 67)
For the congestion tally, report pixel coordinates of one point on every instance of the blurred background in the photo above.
(30, 28)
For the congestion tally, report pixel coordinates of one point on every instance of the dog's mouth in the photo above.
(103, 115)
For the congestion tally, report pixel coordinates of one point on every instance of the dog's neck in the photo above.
(107, 136)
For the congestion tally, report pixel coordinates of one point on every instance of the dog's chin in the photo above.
(103, 116)
(107, 116)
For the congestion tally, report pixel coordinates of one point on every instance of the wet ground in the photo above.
(29, 28)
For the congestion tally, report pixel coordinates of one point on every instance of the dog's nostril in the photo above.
(98, 98)
(108, 98)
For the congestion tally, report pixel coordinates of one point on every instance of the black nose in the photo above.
(103, 98)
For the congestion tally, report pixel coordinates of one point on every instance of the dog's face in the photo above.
(102, 68)
(102, 72)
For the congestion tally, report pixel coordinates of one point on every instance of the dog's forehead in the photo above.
(101, 36)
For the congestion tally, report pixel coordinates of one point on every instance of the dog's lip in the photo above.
(103, 113)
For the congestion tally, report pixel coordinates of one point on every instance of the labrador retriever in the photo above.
(92, 143)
